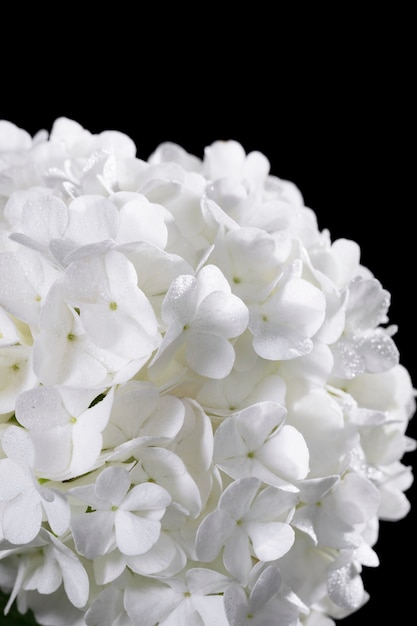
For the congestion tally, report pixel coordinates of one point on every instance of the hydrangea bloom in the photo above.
(203, 414)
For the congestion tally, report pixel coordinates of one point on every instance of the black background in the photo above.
(326, 97)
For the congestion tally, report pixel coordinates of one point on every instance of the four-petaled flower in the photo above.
(118, 515)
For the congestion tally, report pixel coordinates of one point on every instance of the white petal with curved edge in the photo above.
(16, 443)
(212, 533)
(270, 540)
(135, 534)
(266, 586)
(112, 485)
(22, 518)
(93, 532)
(209, 355)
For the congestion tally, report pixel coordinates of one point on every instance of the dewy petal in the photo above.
(180, 301)
(367, 305)
(345, 587)
(266, 586)
(157, 269)
(236, 605)
(92, 218)
(270, 540)
(284, 324)
(16, 443)
(44, 218)
(22, 518)
(275, 342)
(379, 352)
(13, 479)
(41, 409)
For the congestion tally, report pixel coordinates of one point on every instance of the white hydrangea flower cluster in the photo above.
(202, 409)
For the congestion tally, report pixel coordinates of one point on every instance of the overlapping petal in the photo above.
(202, 410)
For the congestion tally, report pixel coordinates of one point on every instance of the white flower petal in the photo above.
(93, 532)
(13, 479)
(146, 497)
(236, 605)
(266, 586)
(45, 218)
(270, 540)
(57, 511)
(222, 314)
(16, 443)
(205, 581)
(92, 218)
(346, 588)
(147, 603)
(22, 518)
(209, 355)
(13, 138)
(180, 301)
(105, 608)
(258, 422)
(212, 533)
(237, 555)
(286, 454)
(165, 557)
(75, 578)
(237, 498)
(112, 485)
(41, 408)
(135, 534)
